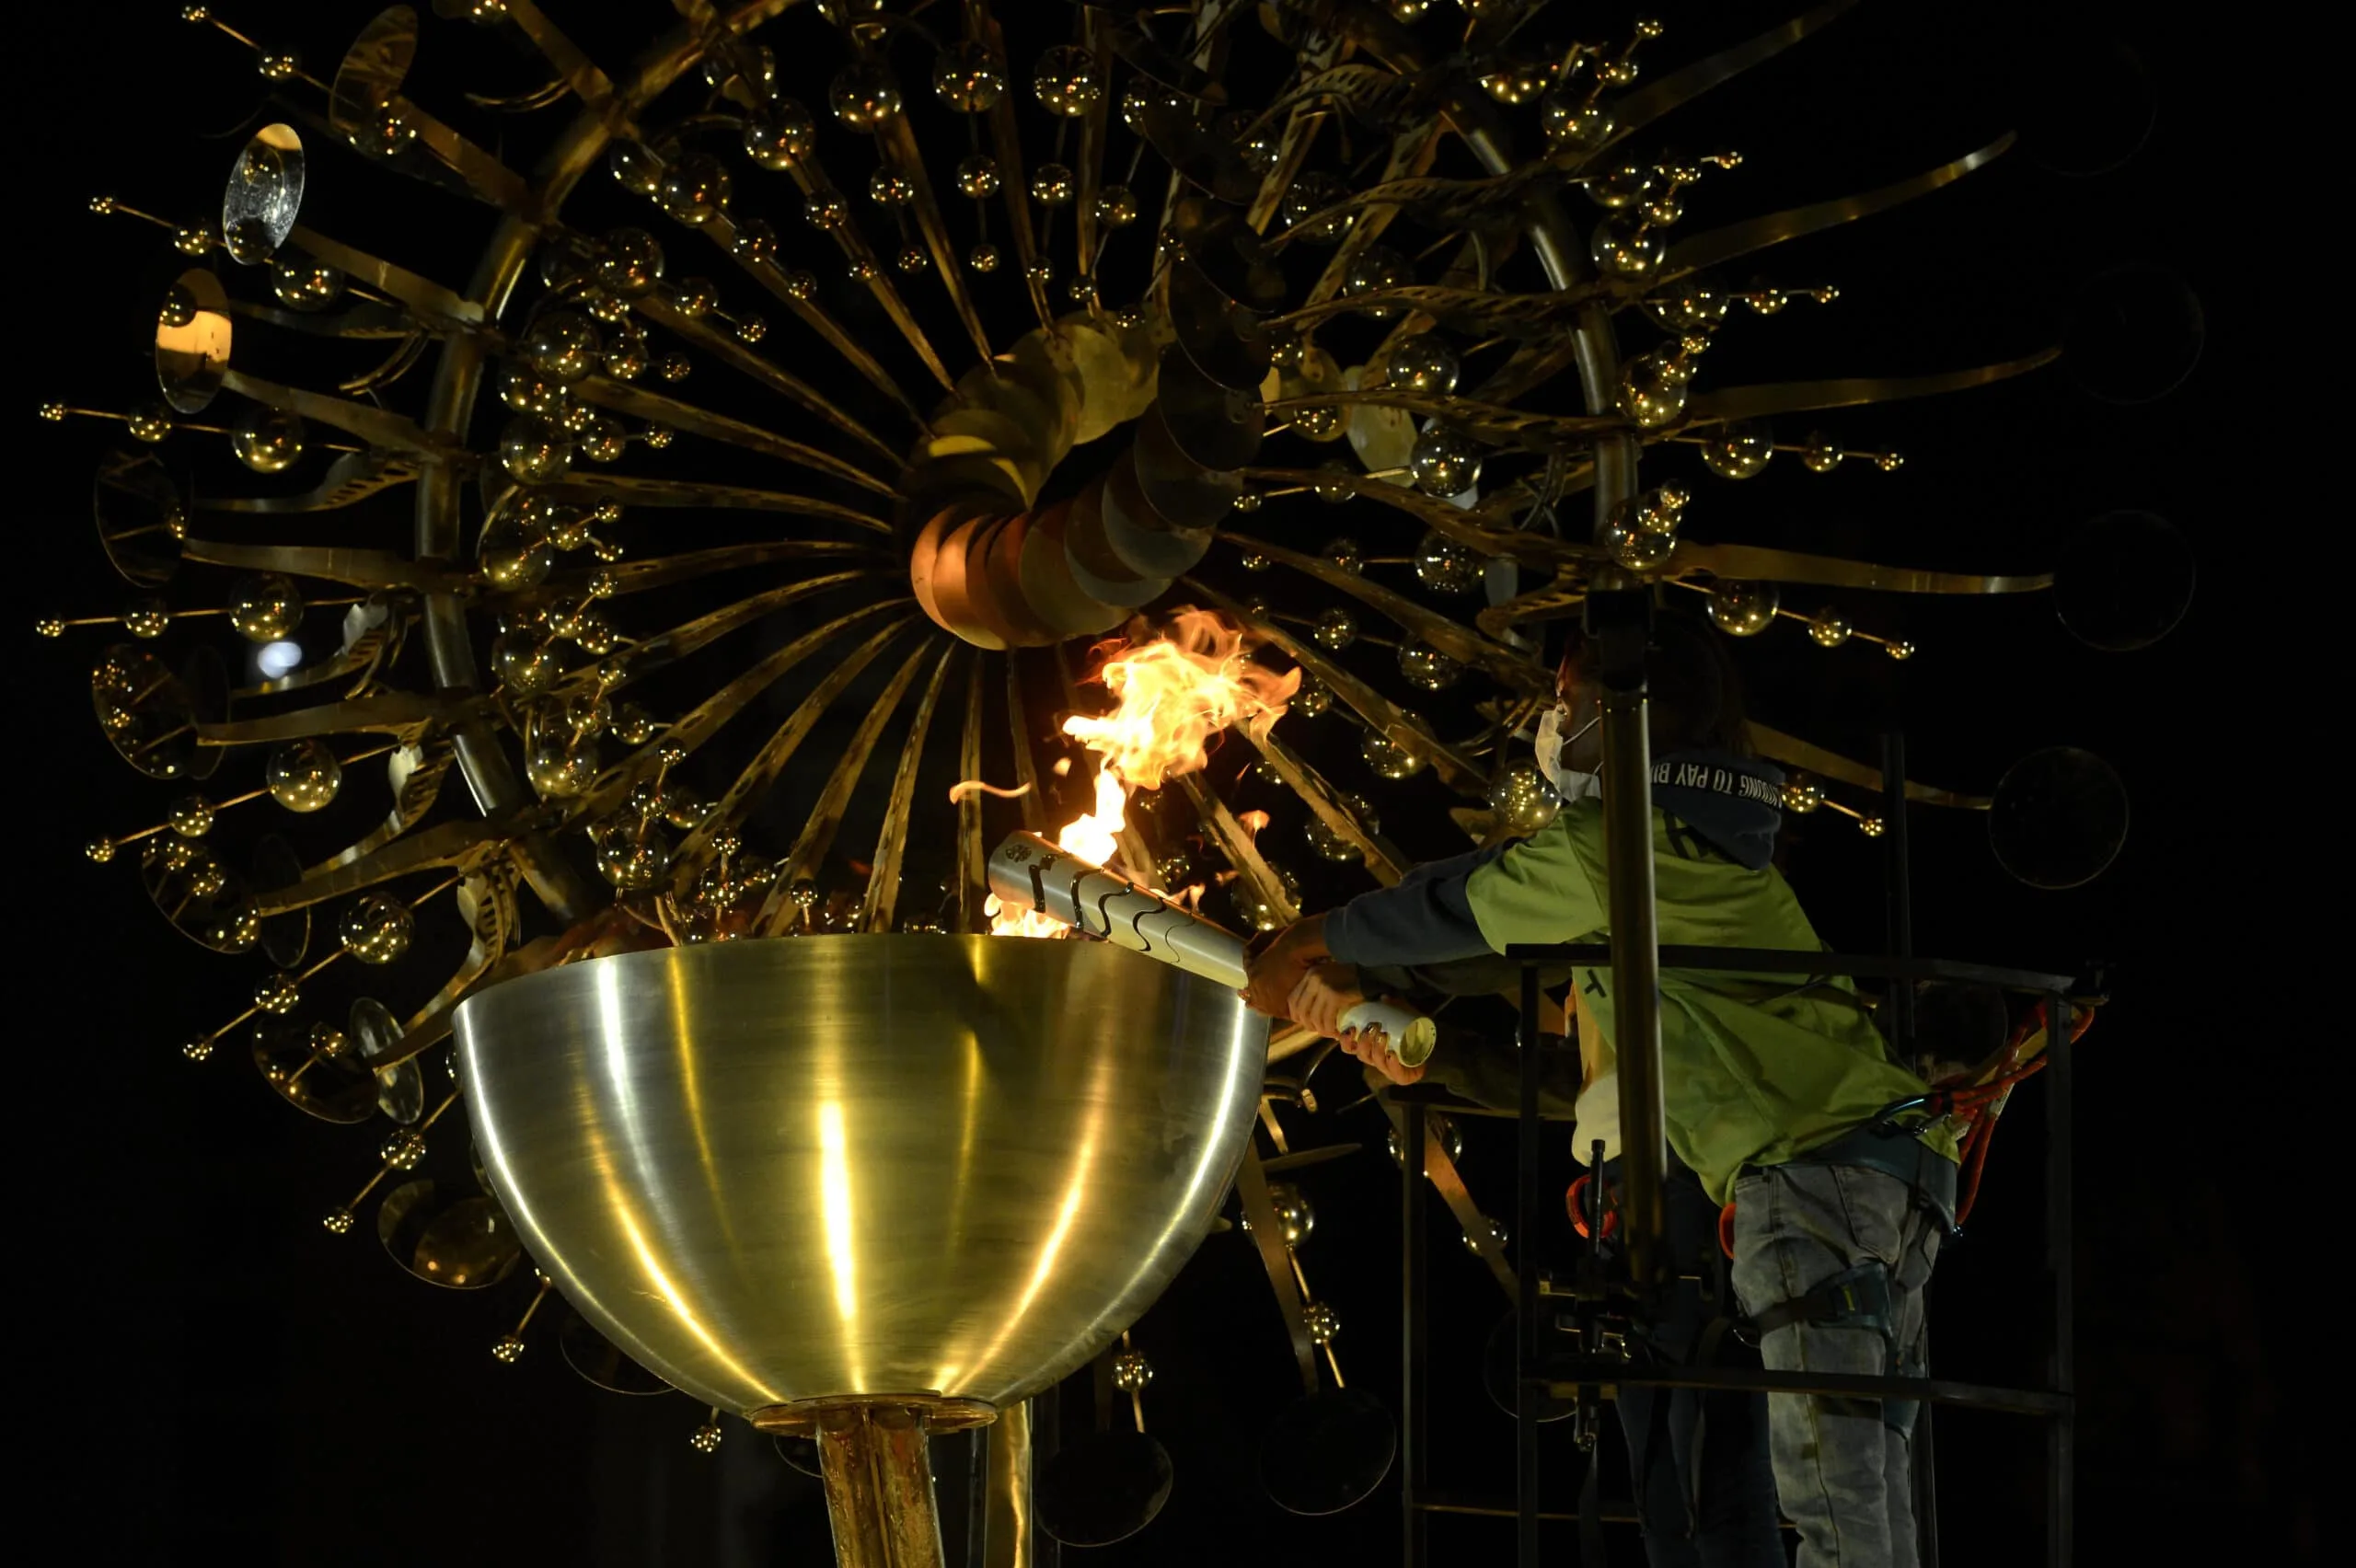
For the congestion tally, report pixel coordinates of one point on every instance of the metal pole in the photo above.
(1414, 1354)
(1620, 619)
(1898, 865)
(880, 1499)
(2062, 1437)
(1527, 1383)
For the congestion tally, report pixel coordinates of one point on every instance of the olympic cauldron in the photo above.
(860, 1186)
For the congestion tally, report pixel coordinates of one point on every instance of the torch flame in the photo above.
(1173, 694)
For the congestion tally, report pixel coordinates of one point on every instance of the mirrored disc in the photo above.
(462, 1243)
(1226, 342)
(1103, 1488)
(264, 194)
(1145, 541)
(145, 713)
(2133, 334)
(371, 74)
(1048, 584)
(1217, 426)
(1182, 492)
(334, 1088)
(285, 937)
(2059, 818)
(1327, 1452)
(192, 338)
(2122, 580)
(400, 1087)
(593, 1355)
(139, 517)
(1095, 570)
(1497, 1378)
(198, 893)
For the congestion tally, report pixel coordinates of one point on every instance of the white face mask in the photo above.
(1568, 783)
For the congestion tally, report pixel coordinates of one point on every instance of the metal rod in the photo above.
(1413, 1350)
(1010, 1533)
(1801, 961)
(1564, 1376)
(1899, 882)
(2061, 1438)
(1526, 1402)
(1635, 939)
(878, 1474)
(977, 1496)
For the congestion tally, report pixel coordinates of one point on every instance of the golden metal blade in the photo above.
(892, 840)
(752, 782)
(826, 818)
(1720, 245)
(639, 403)
(1799, 397)
(723, 347)
(1780, 747)
(631, 490)
(1514, 671)
(1752, 563)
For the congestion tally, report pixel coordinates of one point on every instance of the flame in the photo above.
(1173, 693)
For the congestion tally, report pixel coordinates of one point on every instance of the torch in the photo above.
(1028, 872)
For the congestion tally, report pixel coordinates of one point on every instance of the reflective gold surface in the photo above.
(775, 1170)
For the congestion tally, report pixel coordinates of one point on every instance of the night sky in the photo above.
(217, 1378)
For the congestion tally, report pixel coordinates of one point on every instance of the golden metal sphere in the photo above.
(1053, 185)
(1132, 1373)
(1388, 758)
(1821, 454)
(265, 607)
(1872, 826)
(864, 96)
(1066, 81)
(304, 776)
(1743, 609)
(1900, 650)
(1426, 668)
(338, 1221)
(1831, 629)
(1116, 206)
(508, 1350)
(695, 189)
(969, 77)
(1321, 1322)
(147, 618)
(983, 257)
(706, 1439)
(404, 1149)
(150, 422)
(191, 816)
(100, 850)
(376, 928)
(268, 440)
(1445, 462)
(913, 258)
(1335, 630)
(1521, 797)
(781, 136)
(278, 995)
(1802, 796)
(1295, 1217)
(1312, 699)
(199, 1049)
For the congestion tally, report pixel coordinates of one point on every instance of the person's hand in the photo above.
(1318, 1002)
(1271, 973)
(1321, 996)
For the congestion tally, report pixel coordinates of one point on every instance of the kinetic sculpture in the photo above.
(705, 609)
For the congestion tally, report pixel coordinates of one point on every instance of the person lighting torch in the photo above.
(1029, 872)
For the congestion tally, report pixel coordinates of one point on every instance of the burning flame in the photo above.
(1173, 693)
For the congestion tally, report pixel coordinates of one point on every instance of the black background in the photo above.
(220, 1377)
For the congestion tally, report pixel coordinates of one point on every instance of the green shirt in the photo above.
(1756, 1069)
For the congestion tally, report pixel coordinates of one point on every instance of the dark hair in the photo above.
(1695, 691)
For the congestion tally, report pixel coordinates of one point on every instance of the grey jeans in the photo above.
(1842, 1472)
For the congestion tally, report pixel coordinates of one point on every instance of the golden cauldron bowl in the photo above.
(936, 1170)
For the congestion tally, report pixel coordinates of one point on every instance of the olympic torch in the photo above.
(1029, 872)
